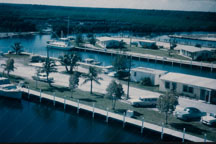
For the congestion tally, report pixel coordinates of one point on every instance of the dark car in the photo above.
(189, 113)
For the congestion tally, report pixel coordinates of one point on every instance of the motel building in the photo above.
(195, 53)
(138, 73)
(190, 86)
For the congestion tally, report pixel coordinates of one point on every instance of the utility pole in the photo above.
(129, 78)
(68, 26)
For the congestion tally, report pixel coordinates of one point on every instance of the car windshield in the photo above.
(213, 115)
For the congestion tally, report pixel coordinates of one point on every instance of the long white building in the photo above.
(191, 86)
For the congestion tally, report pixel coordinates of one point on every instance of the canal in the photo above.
(37, 45)
(29, 121)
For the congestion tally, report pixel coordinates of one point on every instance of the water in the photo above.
(37, 45)
(23, 121)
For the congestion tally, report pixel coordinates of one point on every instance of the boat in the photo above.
(91, 61)
(61, 43)
(10, 91)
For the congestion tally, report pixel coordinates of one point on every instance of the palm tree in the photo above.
(17, 47)
(8, 66)
(69, 60)
(48, 67)
(91, 76)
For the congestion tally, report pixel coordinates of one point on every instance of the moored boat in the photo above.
(11, 91)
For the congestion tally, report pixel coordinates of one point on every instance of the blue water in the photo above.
(24, 121)
(37, 45)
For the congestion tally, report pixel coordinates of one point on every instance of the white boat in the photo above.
(61, 43)
(91, 61)
(11, 91)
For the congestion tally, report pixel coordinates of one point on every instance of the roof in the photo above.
(147, 41)
(192, 48)
(190, 80)
(148, 70)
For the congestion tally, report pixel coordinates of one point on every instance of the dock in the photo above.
(15, 34)
(139, 123)
(156, 59)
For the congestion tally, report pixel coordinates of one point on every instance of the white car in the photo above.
(209, 119)
(143, 102)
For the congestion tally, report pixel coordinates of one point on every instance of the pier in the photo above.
(125, 120)
(16, 34)
(157, 59)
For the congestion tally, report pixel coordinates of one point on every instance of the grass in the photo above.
(152, 116)
(158, 52)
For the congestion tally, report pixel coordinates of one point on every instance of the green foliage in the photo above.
(79, 39)
(70, 60)
(146, 81)
(17, 47)
(49, 66)
(120, 63)
(114, 92)
(92, 39)
(167, 103)
(91, 76)
(25, 17)
(74, 81)
(8, 66)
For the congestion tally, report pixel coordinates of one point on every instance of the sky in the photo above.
(186, 5)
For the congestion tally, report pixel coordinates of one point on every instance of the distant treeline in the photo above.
(95, 20)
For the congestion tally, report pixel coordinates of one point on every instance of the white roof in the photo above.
(192, 48)
(148, 70)
(190, 80)
(147, 41)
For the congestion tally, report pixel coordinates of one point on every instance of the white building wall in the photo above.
(179, 89)
(140, 75)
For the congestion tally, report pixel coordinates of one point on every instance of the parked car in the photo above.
(189, 113)
(142, 101)
(209, 119)
(43, 78)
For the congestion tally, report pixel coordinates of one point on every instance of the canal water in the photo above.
(24, 121)
(37, 45)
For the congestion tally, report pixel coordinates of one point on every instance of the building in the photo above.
(111, 43)
(190, 86)
(195, 53)
(139, 73)
(146, 43)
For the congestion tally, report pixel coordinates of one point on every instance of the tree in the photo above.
(69, 60)
(8, 66)
(91, 76)
(114, 91)
(17, 47)
(79, 39)
(120, 63)
(49, 67)
(122, 45)
(92, 39)
(167, 103)
(37, 74)
(74, 81)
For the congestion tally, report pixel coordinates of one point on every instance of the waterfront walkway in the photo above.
(122, 118)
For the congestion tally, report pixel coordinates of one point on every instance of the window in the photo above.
(174, 86)
(167, 85)
(185, 88)
(188, 89)
(134, 73)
